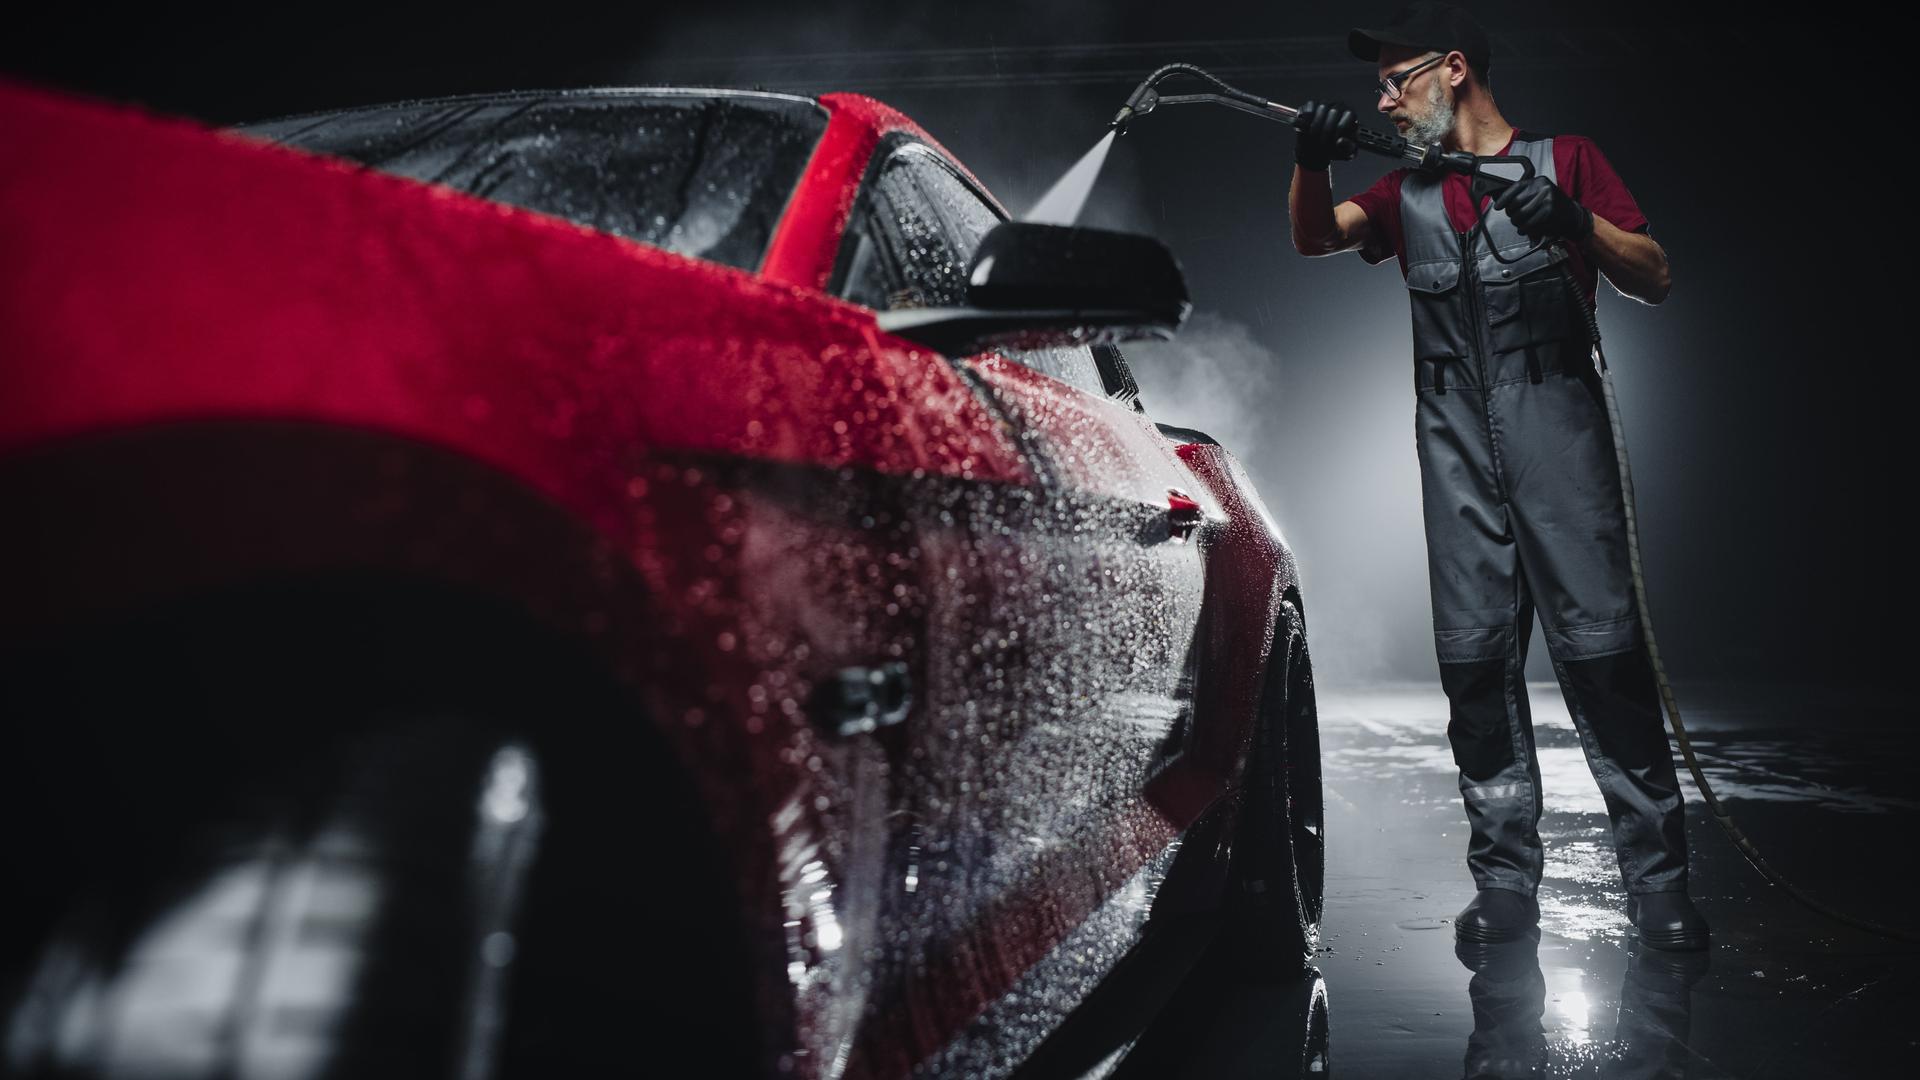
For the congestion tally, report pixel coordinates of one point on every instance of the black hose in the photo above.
(1168, 70)
(1672, 708)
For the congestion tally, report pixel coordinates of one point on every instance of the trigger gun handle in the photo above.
(1491, 181)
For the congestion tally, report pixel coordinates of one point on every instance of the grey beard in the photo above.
(1436, 124)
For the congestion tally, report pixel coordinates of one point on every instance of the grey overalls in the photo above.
(1521, 496)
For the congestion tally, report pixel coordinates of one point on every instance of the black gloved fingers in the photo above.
(1303, 121)
(1544, 211)
(1345, 147)
(1325, 133)
(1525, 204)
(1325, 119)
(1531, 186)
(1531, 208)
(1346, 123)
(1326, 125)
(1306, 146)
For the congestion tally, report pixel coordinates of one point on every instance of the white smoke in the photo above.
(1339, 476)
(1208, 378)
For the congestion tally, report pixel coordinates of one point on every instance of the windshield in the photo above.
(702, 173)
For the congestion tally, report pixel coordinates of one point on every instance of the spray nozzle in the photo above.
(1140, 104)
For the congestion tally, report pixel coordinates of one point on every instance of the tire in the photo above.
(1278, 874)
(326, 865)
(361, 924)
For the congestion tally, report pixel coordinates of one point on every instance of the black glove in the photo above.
(1539, 209)
(1325, 133)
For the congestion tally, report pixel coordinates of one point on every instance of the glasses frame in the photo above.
(1395, 84)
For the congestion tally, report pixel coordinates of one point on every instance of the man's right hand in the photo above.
(1324, 133)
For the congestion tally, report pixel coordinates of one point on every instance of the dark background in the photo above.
(1767, 400)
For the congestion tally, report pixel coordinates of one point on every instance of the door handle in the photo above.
(1183, 515)
(856, 700)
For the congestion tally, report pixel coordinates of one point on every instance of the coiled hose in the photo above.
(1672, 708)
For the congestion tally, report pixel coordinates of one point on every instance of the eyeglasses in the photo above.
(1393, 85)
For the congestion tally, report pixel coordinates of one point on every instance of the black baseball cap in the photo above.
(1426, 25)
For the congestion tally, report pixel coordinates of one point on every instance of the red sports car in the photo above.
(541, 582)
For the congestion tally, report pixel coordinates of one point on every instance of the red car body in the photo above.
(729, 488)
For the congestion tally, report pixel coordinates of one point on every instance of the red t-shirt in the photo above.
(1579, 168)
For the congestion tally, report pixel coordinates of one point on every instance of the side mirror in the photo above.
(1032, 286)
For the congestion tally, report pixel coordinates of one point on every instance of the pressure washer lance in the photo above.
(1491, 175)
(1147, 97)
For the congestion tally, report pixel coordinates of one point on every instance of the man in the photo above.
(1520, 488)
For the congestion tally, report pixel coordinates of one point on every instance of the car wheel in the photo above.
(312, 868)
(1279, 849)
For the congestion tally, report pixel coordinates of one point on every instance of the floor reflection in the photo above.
(1783, 993)
(1822, 781)
(1509, 998)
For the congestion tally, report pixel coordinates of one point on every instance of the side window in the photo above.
(903, 255)
(913, 244)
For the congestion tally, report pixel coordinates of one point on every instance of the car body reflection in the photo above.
(1187, 1004)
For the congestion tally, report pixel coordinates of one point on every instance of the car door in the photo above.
(1044, 772)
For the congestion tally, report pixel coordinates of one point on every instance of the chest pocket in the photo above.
(1527, 303)
(1439, 310)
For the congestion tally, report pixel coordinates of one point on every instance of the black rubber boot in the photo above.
(1668, 920)
(1498, 915)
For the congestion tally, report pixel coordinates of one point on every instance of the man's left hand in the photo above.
(1540, 210)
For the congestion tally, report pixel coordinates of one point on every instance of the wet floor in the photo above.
(1822, 781)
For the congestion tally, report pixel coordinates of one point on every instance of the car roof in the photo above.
(535, 95)
(856, 123)
(881, 118)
